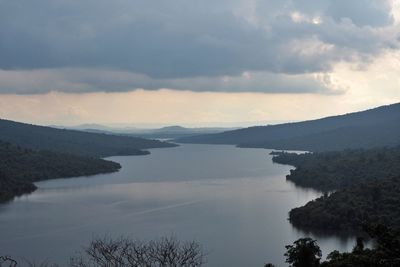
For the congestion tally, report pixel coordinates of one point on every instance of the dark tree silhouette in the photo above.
(303, 253)
(359, 247)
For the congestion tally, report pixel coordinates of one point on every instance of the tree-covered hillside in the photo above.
(365, 129)
(20, 167)
(381, 134)
(348, 209)
(367, 184)
(333, 170)
(74, 142)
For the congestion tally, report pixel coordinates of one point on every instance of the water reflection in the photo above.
(233, 201)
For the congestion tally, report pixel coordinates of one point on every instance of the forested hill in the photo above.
(365, 129)
(367, 184)
(74, 142)
(349, 209)
(334, 170)
(20, 167)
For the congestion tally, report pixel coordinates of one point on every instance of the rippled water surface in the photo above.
(234, 201)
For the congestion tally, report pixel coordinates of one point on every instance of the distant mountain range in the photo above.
(366, 129)
(73, 141)
(168, 132)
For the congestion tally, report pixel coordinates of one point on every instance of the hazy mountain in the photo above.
(98, 128)
(171, 132)
(168, 132)
(371, 128)
(74, 142)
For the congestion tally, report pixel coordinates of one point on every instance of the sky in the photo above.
(196, 63)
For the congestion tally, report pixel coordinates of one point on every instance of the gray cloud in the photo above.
(375, 13)
(187, 44)
(91, 80)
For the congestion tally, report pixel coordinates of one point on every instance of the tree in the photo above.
(124, 252)
(303, 253)
(359, 247)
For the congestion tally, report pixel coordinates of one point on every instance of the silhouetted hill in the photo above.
(171, 132)
(371, 128)
(20, 167)
(174, 128)
(74, 142)
(168, 132)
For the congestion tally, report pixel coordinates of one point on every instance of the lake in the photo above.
(234, 201)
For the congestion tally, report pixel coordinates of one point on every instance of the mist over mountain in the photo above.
(170, 132)
(365, 129)
(167, 132)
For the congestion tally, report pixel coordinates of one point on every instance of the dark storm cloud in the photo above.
(171, 42)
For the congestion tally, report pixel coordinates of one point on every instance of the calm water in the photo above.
(234, 201)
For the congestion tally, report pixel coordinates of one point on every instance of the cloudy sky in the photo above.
(192, 62)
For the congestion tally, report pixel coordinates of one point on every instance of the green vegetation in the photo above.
(20, 167)
(348, 209)
(305, 252)
(30, 153)
(327, 171)
(74, 142)
(386, 252)
(367, 129)
(368, 184)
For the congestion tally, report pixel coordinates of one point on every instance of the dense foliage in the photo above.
(368, 184)
(366, 129)
(74, 142)
(328, 171)
(386, 253)
(20, 167)
(303, 253)
(348, 209)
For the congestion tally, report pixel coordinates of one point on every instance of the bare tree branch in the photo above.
(124, 252)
